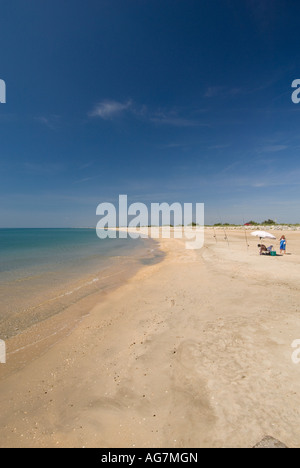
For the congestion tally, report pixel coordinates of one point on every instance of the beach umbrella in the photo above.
(263, 235)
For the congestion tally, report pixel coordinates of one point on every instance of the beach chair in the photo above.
(265, 250)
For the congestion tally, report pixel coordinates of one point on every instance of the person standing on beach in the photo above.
(283, 245)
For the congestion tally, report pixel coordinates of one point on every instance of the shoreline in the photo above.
(37, 290)
(42, 333)
(194, 351)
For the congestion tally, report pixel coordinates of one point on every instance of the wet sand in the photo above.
(192, 352)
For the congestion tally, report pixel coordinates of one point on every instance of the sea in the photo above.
(44, 271)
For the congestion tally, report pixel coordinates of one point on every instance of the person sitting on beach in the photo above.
(283, 245)
(265, 250)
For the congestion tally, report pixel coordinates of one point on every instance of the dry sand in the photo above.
(192, 352)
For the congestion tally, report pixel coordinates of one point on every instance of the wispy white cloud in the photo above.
(273, 148)
(215, 91)
(175, 118)
(86, 165)
(43, 168)
(229, 92)
(108, 110)
(173, 145)
(85, 179)
(177, 122)
(269, 179)
(216, 147)
(51, 121)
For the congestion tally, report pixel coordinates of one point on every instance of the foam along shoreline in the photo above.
(194, 351)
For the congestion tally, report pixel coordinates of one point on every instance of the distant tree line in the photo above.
(268, 222)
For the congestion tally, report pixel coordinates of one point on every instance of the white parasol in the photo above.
(263, 235)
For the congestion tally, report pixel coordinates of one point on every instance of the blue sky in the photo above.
(166, 101)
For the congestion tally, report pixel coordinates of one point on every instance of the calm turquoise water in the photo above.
(29, 251)
(42, 271)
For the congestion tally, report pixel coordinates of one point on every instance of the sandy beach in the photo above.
(194, 351)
